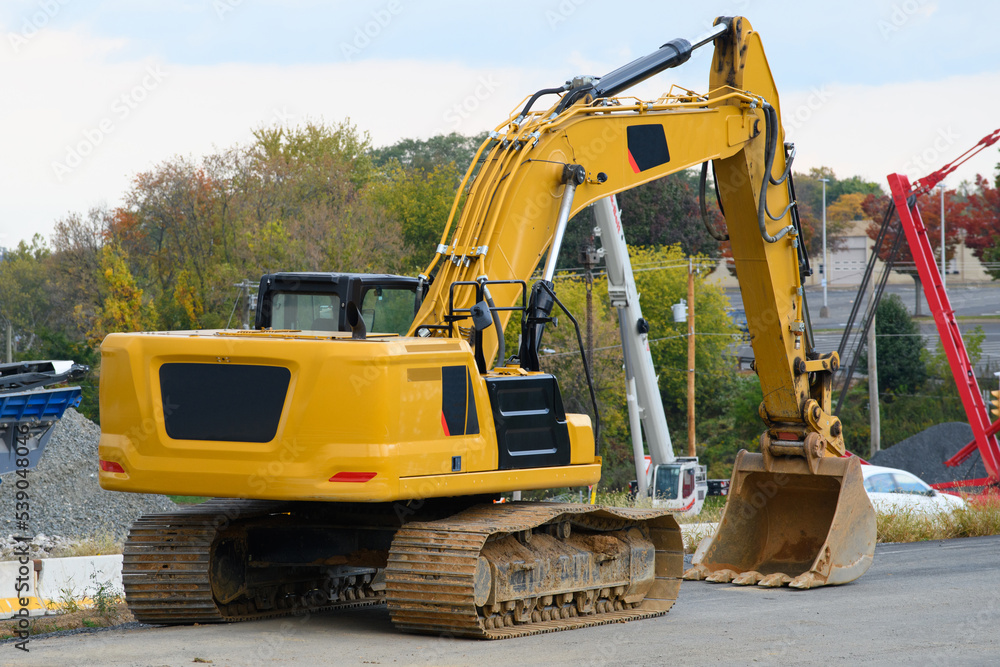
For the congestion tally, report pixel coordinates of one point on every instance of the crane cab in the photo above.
(680, 486)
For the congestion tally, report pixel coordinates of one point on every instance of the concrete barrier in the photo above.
(54, 583)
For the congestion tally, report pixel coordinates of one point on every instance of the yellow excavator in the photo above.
(352, 466)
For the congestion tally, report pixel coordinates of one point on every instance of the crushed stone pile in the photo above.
(924, 454)
(40, 546)
(66, 499)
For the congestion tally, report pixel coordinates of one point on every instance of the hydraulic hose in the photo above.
(534, 98)
(704, 206)
(770, 148)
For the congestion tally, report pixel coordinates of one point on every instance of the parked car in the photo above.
(891, 489)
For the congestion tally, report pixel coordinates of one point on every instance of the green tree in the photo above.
(661, 278)
(428, 154)
(421, 201)
(122, 305)
(661, 275)
(901, 366)
(24, 299)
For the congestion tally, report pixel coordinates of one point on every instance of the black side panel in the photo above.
(471, 417)
(530, 422)
(647, 146)
(453, 380)
(228, 402)
(458, 403)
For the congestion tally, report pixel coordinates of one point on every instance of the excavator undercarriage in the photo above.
(490, 572)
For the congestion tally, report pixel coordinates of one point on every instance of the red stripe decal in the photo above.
(631, 161)
(444, 424)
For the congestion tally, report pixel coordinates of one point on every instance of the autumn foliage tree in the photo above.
(981, 222)
(875, 208)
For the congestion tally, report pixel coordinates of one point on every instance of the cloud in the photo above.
(912, 128)
(77, 129)
(70, 92)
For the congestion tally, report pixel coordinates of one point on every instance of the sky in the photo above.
(94, 92)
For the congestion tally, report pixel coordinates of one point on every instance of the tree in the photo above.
(429, 154)
(661, 278)
(981, 221)
(420, 199)
(24, 298)
(122, 305)
(930, 212)
(901, 366)
(666, 212)
(847, 208)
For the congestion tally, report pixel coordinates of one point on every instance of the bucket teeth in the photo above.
(696, 573)
(775, 580)
(748, 578)
(721, 576)
(807, 580)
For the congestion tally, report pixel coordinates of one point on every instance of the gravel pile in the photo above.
(40, 546)
(66, 498)
(924, 454)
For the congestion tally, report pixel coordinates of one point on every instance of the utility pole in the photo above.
(10, 343)
(589, 259)
(873, 412)
(944, 266)
(825, 310)
(691, 437)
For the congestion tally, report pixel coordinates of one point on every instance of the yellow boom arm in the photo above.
(512, 212)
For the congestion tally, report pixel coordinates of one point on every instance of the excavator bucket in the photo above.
(789, 520)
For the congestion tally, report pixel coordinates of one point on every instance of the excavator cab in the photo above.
(316, 301)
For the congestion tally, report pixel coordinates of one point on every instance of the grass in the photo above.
(97, 545)
(108, 609)
(82, 618)
(188, 500)
(975, 520)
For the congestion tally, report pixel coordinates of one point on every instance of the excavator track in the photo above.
(167, 568)
(443, 576)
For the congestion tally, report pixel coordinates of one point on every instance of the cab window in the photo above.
(667, 482)
(310, 312)
(388, 310)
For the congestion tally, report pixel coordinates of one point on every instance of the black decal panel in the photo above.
(227, 402)
(458, 403)
(647, 147)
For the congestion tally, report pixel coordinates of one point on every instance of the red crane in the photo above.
(904, 197)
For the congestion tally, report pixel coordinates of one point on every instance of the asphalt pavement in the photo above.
(920, 603)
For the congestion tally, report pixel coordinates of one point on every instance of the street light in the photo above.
(944, 265)
(824, 311)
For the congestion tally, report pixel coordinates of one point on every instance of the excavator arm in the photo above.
(540, 167)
